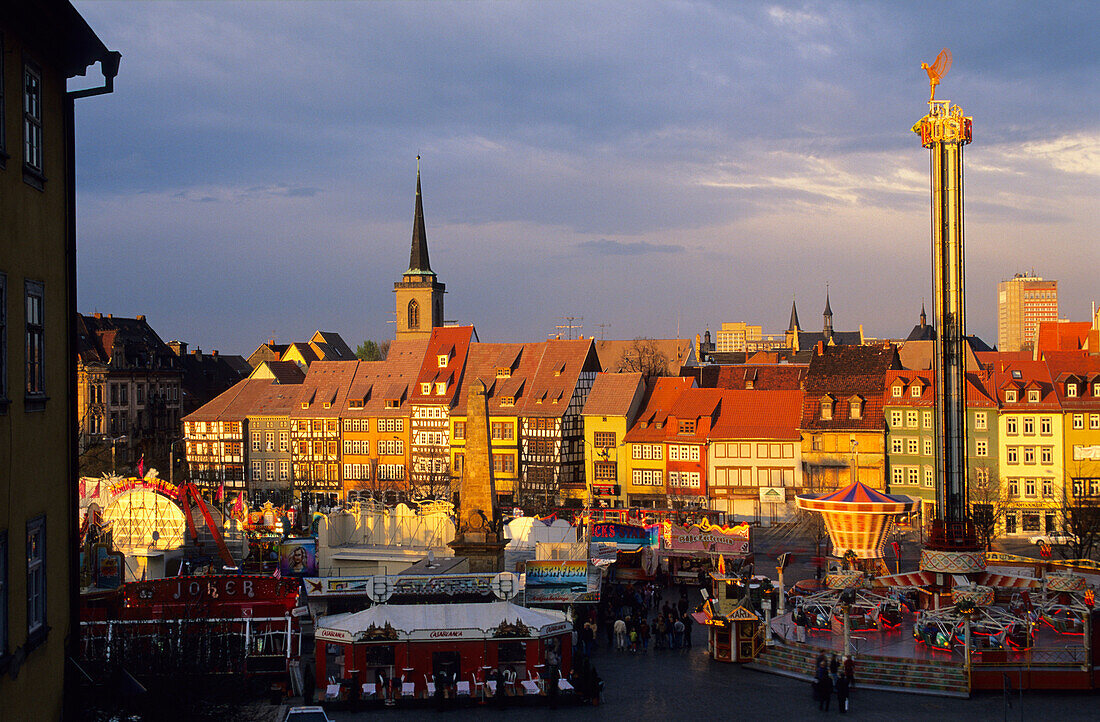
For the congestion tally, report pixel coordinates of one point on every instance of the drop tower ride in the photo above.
(952, 546)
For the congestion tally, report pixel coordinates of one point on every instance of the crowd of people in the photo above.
(831, 676)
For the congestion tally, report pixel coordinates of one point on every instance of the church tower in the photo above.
(418, 294)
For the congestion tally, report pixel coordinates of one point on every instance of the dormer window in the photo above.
(1010, 396)
(827, 409)
(915, 391)
(748, 384)
(327, 404)
(426, 388)
(1033, 396)
(687, 427)
(441, 388)
(305, 404)
(1096, 389)
(1071, 391)
(855, 407)
(355, 403)
(507, 400)
(898, 390)
(443, 359)
(504, 372)
(393, 403)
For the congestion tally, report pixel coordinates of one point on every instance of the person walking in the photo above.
(643, 636)
(620, 634)
(825, 688)
(842, 691)
(834, 667)
(688, 621)
(849, 668)
(677, 634)
(661, 633)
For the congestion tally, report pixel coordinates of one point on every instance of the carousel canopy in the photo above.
(857, 517)
(441, 622)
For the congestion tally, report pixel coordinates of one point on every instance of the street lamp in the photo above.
(172, 460)
(112, 441)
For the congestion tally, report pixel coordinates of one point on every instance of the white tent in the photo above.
(439, 622)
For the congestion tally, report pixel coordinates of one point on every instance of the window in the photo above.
(442, 360)
(1048, 487)
(604, 439)
(270, 438)
(414, 314)
(897, 390)
(926, 417)
(605, 471)
(440, 388)
(929, 476)
(269, 470)
(1094, 421)
(283, 439)
(32, 118)
(256, 470)
(502, 430)
(855, 408)
(426, 387)
(459, 432)
(1033, 396)
(1010, 426)
(915, 390)
(980, 421)
(1010, 396)
(687, 427)
(826, 409)
(981, 447)
(1078, 421)
(1029, 487)
(898, 475)
(897, 445)
(1029, 426)
(1044, 426)
(927, 446)
(284, 470)
(36, 374)
(1011, 455)
(895, 418)
(36, 575)
(912, 475)
(1013, 487)
(1029, 454)
(1046, 455)
(255, 440)
(911, 418)
(1071, 391)
(912, 446)
(504, 463)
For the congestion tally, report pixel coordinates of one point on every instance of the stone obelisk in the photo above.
(478, 537)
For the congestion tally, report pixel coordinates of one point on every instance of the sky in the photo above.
(651, 168)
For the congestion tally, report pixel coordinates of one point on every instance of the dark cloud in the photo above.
(656, 133)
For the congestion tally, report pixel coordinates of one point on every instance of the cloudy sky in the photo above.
(653, 167)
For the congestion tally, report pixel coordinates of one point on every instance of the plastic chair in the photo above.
(429, 686)
(463, 688)
(332, 691)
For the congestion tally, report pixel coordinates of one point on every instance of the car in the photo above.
(1052, 538)
(306, 714)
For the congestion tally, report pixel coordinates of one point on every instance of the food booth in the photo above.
(413, 642)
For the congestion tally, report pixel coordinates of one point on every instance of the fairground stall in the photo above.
(692, 550)
(214, 624)
(413, 643)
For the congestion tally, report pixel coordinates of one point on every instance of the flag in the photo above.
(238, 511)
(141, 467)
(278, 573)
(221, 491)
(721, 565)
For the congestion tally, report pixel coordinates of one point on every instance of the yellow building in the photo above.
(612, 405)
(1078, 388)
(42, 44)
(1030, 434)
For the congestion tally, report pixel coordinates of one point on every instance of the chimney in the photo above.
(97, 314)
(215, 354)
(197, 353)
(141, 317)
(271, 342)
(110, 315)
(820, 350)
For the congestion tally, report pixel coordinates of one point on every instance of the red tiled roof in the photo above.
(762, 376)
(453, 341)
(613, 394)
(841, 373)
(766, 414)
(1062, 336)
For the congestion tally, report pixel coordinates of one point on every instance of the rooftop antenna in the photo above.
(569, 325)
(936, 71)
(602, 327)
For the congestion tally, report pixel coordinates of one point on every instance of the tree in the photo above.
(1081, 512)
(372, 351)
(988, 502)
(643, 356)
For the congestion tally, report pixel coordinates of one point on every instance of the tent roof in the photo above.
(409, 619)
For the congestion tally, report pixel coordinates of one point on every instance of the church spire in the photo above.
(828, 315)
(418, 257)
(794, 325)
(923, 316)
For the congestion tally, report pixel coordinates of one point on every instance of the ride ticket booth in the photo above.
(735, 633)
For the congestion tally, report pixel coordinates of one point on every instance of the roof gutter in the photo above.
(109, 65)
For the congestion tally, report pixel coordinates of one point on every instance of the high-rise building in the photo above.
(737, 336)
(1022, 303)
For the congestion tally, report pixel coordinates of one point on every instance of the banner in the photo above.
(625, 536)
(298, 558)
(572, 574)
(705, 538)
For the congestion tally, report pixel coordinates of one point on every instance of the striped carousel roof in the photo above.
(857, 498)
